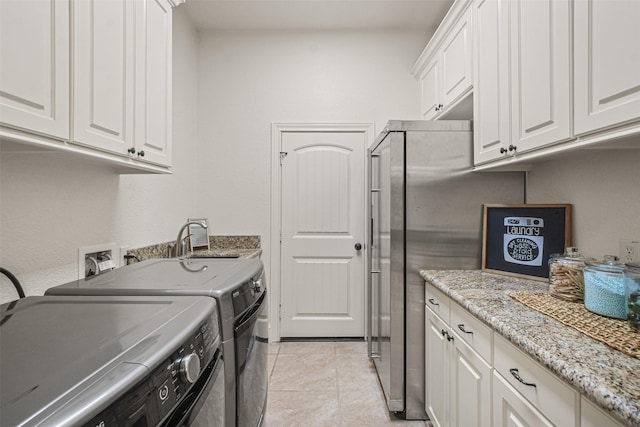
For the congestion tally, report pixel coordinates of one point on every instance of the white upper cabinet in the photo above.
(553, 75)
(103, 74)
(34, 66)
(444, 68)
(491, 102)
(110, 99)
(431, 90)
(540, 61)
(607, 63)
(456, 61)
(153, 81)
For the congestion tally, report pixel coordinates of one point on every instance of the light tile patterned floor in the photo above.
(325, 384)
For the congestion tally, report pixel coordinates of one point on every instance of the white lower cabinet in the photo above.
(592, 416)
(437, 362)
(511, 409)
(470, 386)
(475, 377)
(549, 395)
(458, 380)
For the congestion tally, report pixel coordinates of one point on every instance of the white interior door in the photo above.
(322, 220)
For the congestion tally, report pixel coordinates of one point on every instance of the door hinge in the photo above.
(283, 154)
(280, 312)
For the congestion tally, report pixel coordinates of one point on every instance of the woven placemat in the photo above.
(613, 332)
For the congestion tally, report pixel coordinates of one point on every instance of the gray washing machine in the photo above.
(238, 286)
(111, 361)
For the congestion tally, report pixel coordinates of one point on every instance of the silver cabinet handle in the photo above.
(516, 375)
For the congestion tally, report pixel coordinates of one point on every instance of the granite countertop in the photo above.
(220, 247)
(606, 376)
(226, 253)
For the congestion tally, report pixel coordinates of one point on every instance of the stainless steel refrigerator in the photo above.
(425, 213)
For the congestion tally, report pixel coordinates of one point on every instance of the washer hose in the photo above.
(14, 280)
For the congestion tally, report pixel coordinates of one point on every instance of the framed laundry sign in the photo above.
(519, 239)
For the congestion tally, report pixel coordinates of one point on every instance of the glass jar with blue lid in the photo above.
(604, 288)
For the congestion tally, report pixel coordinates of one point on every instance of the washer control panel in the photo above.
(151, 400)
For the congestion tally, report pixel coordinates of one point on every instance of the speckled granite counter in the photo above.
(604, 375)
(221, 247)
(227, 253)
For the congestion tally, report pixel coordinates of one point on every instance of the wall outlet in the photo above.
(630, 250)
(93, 260)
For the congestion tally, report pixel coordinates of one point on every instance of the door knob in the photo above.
(358, 246)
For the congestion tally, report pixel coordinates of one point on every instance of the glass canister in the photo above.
(631, 275)
(604, 290)
(566, 280)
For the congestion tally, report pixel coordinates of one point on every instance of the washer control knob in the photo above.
(190, 368)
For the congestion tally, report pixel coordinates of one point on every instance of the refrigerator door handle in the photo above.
(370, 352)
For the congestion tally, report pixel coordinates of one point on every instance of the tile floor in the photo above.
(325, 384)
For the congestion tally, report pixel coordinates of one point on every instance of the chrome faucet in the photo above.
(179, 248)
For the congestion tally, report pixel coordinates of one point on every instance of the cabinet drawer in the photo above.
(437, 301)
(550, 395)
(472, 331)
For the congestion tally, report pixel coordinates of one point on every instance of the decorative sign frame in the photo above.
(198, 236)
(517, 240)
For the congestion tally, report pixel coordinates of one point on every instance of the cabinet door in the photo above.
(470, 387)
(510, 409)
(540, 72)
(436, 370)
(153, 81)
(592, 416)
(491, 109)
(34, 66)
(103, 74)
(455, 61)
(430, 93)
(607, 63)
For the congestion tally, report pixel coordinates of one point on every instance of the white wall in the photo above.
(248, 80)
(604, 188)
(51, 204)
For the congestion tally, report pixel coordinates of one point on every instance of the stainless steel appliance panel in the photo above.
(426, 213)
